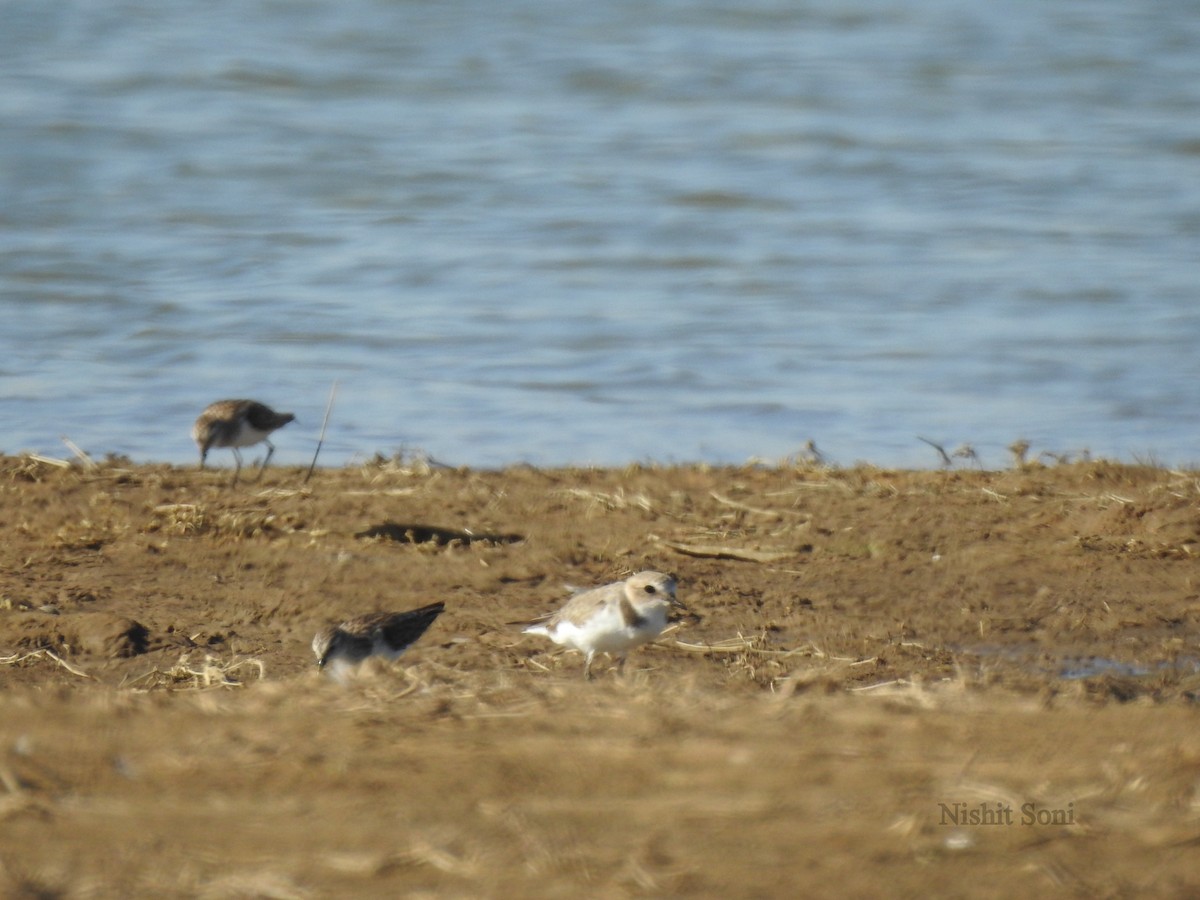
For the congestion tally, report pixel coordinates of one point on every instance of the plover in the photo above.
(614, 618)
(387, 635)
(234, 424)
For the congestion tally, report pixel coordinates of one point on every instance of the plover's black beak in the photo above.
(321, 662)
(687, 613)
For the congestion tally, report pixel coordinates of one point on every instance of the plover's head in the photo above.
(651, 589)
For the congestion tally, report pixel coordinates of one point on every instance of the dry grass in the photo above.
(194, 519)
(203, 675)
(609, 501)
(18, 659)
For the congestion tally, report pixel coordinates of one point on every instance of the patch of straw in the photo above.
(48, 460)
(743, 644)
(408, 464)
(16, 659)
(194, 519)
(265, 885)
(611, 500)
(759, 511)
(206, 675)
(423, 852)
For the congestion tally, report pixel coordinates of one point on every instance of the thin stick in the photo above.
(49, 460)
(87, 461)
(44, 654)
(941, 451)
(324, 424)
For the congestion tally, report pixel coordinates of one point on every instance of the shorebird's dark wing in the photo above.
(262, 418)
(402, 629)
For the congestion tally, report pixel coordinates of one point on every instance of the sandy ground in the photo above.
(967, 683)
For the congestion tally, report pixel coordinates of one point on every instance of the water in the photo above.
(600, 233)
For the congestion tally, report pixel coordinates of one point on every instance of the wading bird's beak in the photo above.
(687, 613)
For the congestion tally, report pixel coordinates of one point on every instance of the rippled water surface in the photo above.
(596, 233)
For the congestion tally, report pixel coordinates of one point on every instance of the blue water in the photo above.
(599, 233)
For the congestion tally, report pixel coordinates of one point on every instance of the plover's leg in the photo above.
(267, 458)
(587, 666)
(621, 664)
(238, 469)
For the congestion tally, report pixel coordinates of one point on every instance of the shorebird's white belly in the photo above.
(384, 650)
(246, 435)
(606, 631)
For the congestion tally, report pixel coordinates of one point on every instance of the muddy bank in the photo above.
(886, 666)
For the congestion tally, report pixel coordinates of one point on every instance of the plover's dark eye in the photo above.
(651, 589)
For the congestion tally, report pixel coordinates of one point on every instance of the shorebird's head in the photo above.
(649, 589)
(323, 644)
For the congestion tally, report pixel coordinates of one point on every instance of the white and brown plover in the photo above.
(234, 424)
(614, 618)
(387, 635)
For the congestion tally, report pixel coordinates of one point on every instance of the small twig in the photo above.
(49, 460)
(324, 425)
(881, 684)
(10, 781)
(88, 462)
(742, 644)
(752, 509)
(946, 460)
(722, 552)
(14, 659)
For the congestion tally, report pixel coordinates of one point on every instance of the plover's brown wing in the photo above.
(398, 630)
(586, 604)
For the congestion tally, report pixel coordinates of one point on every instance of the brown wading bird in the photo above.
(234, 424)
(387, 635)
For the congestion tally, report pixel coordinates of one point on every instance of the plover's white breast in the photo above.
(607, 631)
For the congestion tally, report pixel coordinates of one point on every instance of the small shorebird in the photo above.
(614, 618)
(234, 424)
(387, 635)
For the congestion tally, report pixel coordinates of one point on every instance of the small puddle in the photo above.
(1095, 666)
(1074, 668)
